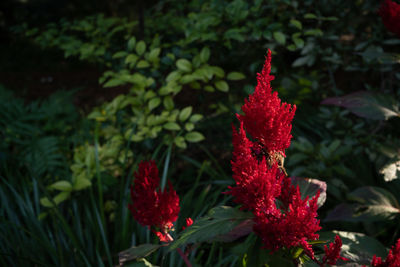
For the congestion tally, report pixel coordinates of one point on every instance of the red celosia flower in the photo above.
(151, 207)
(265, 118)
(332, 253)
(257, 184)
(292, 226)
(390, 13)
(392, 259)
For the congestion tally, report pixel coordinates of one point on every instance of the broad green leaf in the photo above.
(81, 183)
(357, 247)
(172, 126)
(143, 64)
(154, 102)
(113, 82)
(153, 55)
(301, 61)
(189, 126)
(369, 105)
(168, 103)
(205, 54)
(184, 65)
(310, 16)
(219, 221)
(180, 142)
(138, 252)
(219, 72)
(131, 43)
(209, 88)
(185, 113)
(279, 37)
(372, 204)
(195, 118)
(194, 137)
(120, 54)
(222, 86)
(314, 32)
(173, 76)
(57, 199)
(296, 24)
(140, 47)
(61, 186)
(235, 76)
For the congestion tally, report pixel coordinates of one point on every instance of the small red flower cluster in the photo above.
(152, 207)
(390, 13)
(282, 218)
(392, 259)
(332, 253)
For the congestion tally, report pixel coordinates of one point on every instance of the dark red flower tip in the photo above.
(390, 14)
(265, 118)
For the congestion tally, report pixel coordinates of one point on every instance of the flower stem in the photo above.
(184, 257)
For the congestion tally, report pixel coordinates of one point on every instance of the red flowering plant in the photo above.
(390, 14)
(275, 212)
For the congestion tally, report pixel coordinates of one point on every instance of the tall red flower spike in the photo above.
(265, 118)
(392, 259)
(282, 218)
(151, 207)
(390, 13)
(332, 253)
(257, 184)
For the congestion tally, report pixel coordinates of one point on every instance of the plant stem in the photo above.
(185, 259)
(166, 166)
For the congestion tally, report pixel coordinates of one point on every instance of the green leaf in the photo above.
(314, 32)
(369, 105)
(195, 118)
(138, 252)
(173, 76)
(209, 88)
(81, 183)
(153, 55)
(235, 76)
(279, 37)
(219, 221)
(143, 64)
(172, 126)
(131, 43)
(189, 126)
(219, 72)
(168, 103)
(374, 204)
(131, 59)
(61, 186)
(205, 54)
(113, 82)
(185, 113)
(301, 61)
(194, 137)
(140, 47)
(180, 142)
(120, 54)
(222, 86)
(310, 16)
(296, 24)
(184, 65)
(154, 102)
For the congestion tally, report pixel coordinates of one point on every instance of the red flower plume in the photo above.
(151, 207)
(265, 118)
(392, 259)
